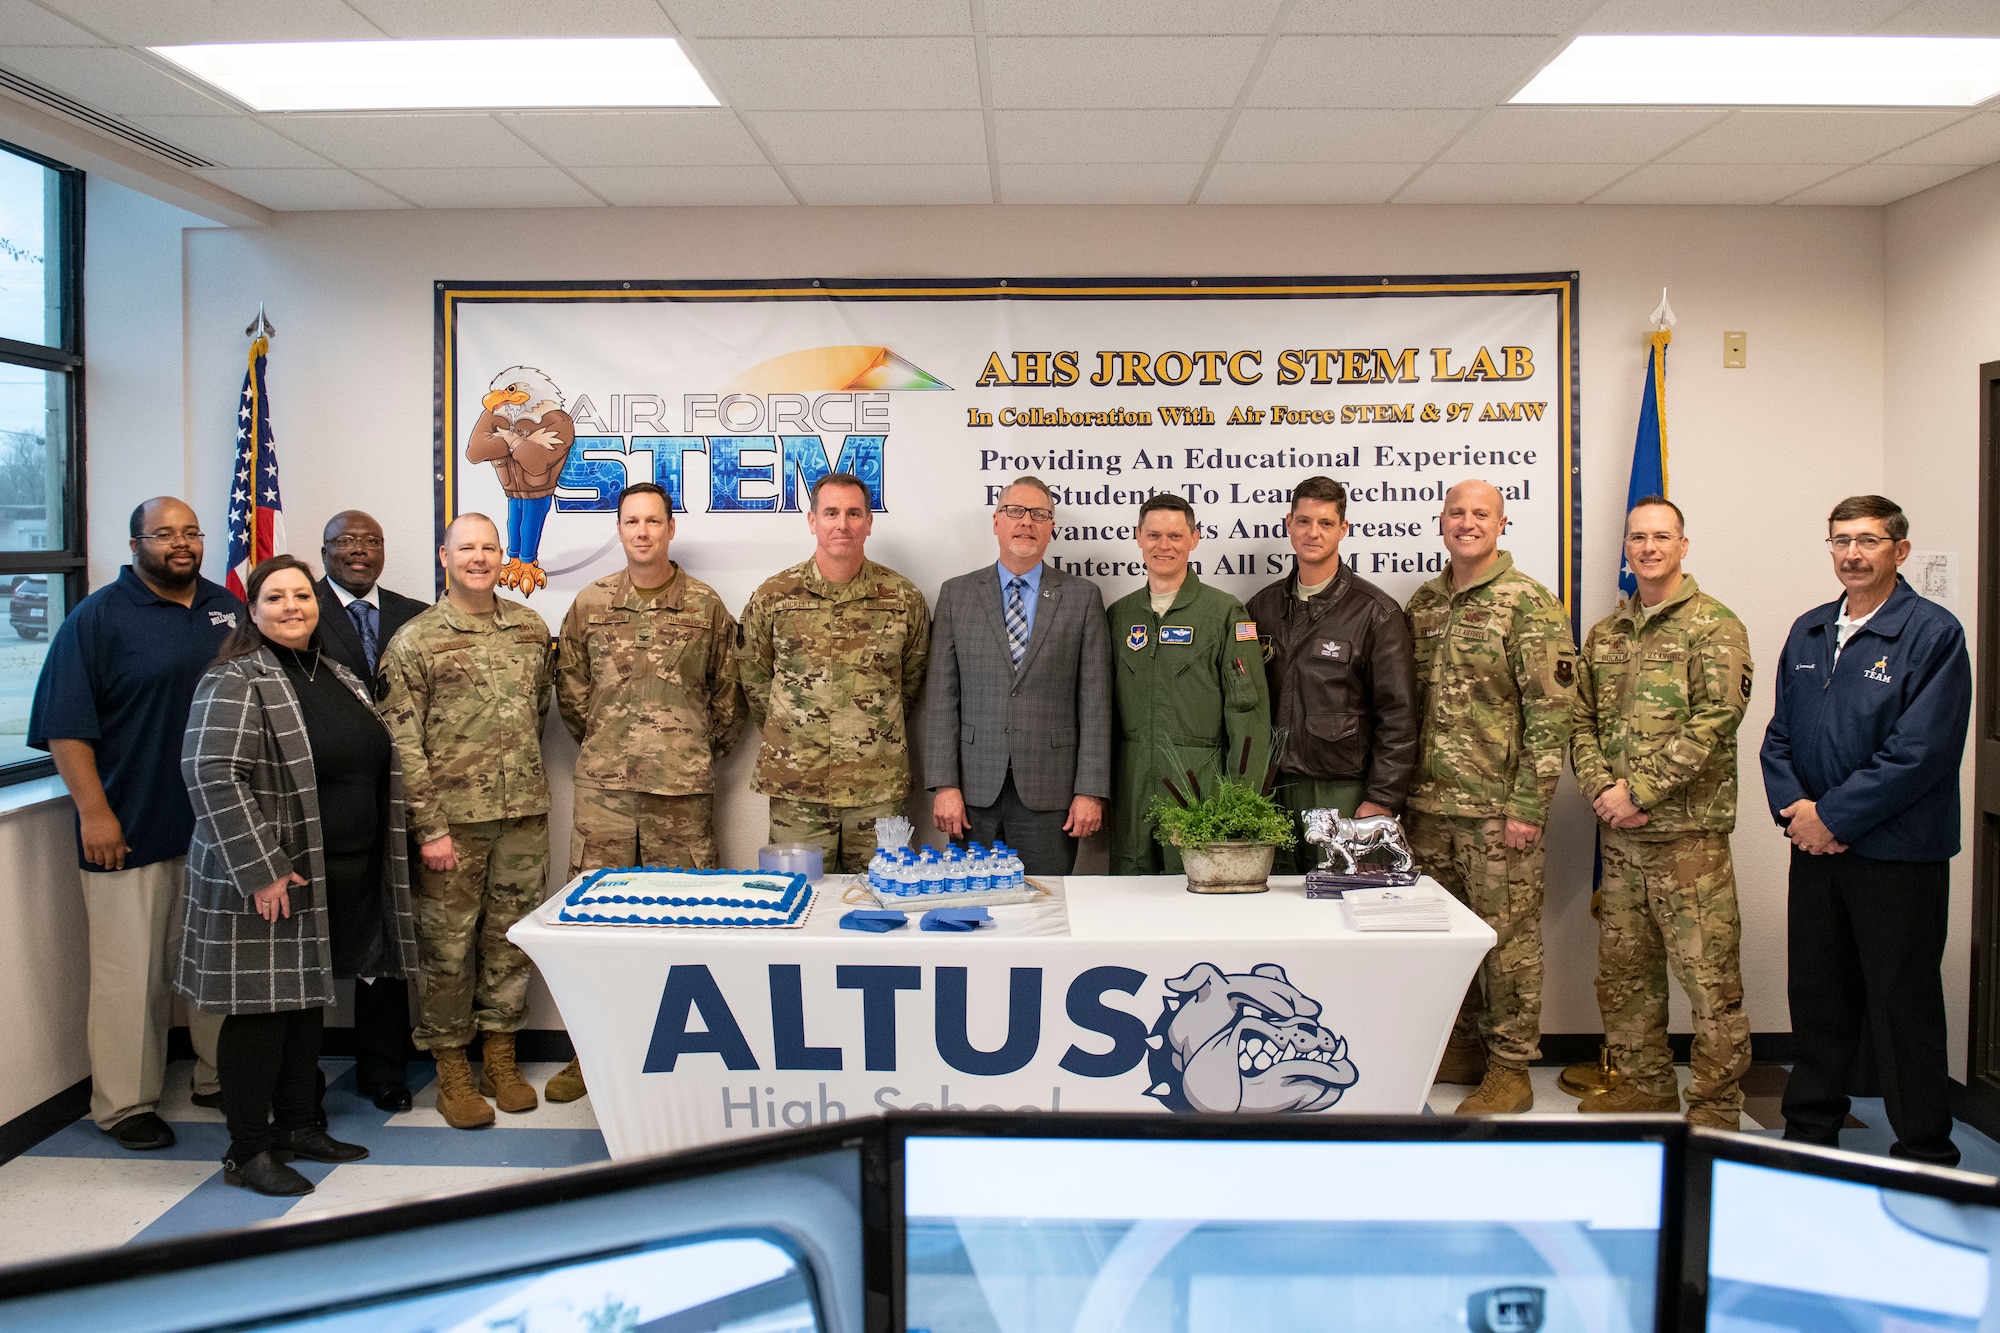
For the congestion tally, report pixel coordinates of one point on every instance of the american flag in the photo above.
(256, 515)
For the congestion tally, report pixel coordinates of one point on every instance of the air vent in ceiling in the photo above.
(98, 121)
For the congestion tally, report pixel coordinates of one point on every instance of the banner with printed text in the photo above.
(735, 397)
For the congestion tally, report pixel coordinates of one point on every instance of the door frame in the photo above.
(1982, 1064)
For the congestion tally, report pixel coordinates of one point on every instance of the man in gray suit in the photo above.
(1017, 713)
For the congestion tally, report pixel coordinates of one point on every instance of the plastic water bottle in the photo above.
(954, 872)
(903, 873)
(878, 868)
(1010, 865)
(927, 871)
(978, 868)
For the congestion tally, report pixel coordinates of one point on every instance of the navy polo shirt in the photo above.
(121, 674)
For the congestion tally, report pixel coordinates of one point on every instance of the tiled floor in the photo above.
(79, 1191)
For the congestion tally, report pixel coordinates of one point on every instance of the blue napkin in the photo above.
(874, 922)
(953, 918)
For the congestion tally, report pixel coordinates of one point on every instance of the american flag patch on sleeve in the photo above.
(1246, 631)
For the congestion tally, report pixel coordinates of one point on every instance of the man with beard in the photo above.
(357, 618)
(111, 708)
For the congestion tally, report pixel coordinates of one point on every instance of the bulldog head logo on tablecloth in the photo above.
(1246, 1041)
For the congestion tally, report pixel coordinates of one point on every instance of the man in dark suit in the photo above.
(357, 618)
(1017, 713)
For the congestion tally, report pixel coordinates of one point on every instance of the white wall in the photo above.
(1942, 253)
(1757, 455)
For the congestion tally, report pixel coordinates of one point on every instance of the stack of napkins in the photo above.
(1416, 906)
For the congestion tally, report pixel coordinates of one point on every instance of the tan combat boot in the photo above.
(1707, 1117)
(1464, 1062)
(457, 1100)
(1631, 1099)
(500, 1078)
(1504, 1091)
(566, 1086)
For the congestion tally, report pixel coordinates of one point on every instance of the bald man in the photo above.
(1496, 677)
(467, 686)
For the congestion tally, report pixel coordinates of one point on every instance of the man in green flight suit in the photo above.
(1189, 683)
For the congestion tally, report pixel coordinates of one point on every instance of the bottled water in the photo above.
(954, 871)
(978, 868)
(1009, 869)
(878, 871)
(928, 871)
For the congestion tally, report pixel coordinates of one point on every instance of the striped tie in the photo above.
(1017, 622)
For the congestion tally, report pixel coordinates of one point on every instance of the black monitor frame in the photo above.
(95, 1268)
(1707, 1147)
(1668, 1131)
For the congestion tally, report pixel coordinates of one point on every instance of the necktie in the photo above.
(363, 616)
(1017, 621)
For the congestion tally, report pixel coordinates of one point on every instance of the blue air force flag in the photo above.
(1649, 449)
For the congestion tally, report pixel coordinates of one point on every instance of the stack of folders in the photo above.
(1416, 906)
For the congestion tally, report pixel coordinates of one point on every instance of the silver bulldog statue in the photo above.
(1345, 841)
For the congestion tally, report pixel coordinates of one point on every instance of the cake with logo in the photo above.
(657, 896)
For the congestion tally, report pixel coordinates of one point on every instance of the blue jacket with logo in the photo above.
(1875, 741)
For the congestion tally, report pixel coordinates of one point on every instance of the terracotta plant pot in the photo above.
(1229, 867)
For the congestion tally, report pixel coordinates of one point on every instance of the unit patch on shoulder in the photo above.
(1137, 638)
(1246, 631)
(1178, 634)
(1565, 673)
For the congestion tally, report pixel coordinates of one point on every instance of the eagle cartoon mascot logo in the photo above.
(526, 435)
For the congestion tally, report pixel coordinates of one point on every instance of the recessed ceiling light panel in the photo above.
(1770, 71)
(430, 75)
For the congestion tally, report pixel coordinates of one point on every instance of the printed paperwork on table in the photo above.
(1404, 907)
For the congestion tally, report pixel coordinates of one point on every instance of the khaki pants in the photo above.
(470, 976)
(614, 829)
(135, 926)
(845, 834)
(1470, 857)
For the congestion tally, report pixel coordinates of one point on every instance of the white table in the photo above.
(1111, 994)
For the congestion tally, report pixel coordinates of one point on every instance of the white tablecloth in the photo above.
(1110, 994)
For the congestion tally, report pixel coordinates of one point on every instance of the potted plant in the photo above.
(1227, 837)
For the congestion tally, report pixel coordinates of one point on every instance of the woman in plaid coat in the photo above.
(296, 874)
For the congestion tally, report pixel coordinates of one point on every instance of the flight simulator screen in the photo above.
(1004, 1235)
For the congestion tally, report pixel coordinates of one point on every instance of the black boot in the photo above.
(316, 1145)
(265, 1174)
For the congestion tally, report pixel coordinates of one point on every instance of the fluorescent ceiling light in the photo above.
(1770, 71)
(423, 75)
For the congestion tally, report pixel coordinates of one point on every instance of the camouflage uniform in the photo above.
(1496, 675)
(1658, 705)
(465, 701)
(831, 675)
(648, 689)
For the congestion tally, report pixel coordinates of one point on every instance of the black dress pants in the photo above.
(1867, 941)
(268, 1065)
(381, 1034)
(1036, 834)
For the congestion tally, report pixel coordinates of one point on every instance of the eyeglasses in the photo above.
(1022, 511)
(1866, 543)
(345, 544)
(185, 537)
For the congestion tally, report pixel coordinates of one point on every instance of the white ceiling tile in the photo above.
(1107, 136)
(1436, 16)
(1549, 134)
(474, 142)
(697, 137)
(1034, 18)
(1751, 16)
(1098, 183)
(1397, 71)
(1947, 18)
(1875, 184)
(921, 184)
(1809, 136)
(1047, 72)
(230, 141)
(516, 18)
(834, 137)
(686, 187)
(481, 187)
(111, 80)
(1972, 142)
(844, 73)
(297, 190)
(187, 22)
(1305, 182)
(30, 25)
(1713, 183)
(1496, 183)
(822, 18)
(1265, 135)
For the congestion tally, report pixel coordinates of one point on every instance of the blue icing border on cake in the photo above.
(796, 899)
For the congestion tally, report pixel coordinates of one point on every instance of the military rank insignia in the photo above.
(1137, 638)
(1246, 631)
(1182, 635)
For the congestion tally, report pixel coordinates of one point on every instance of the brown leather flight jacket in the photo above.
(1343, 683)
